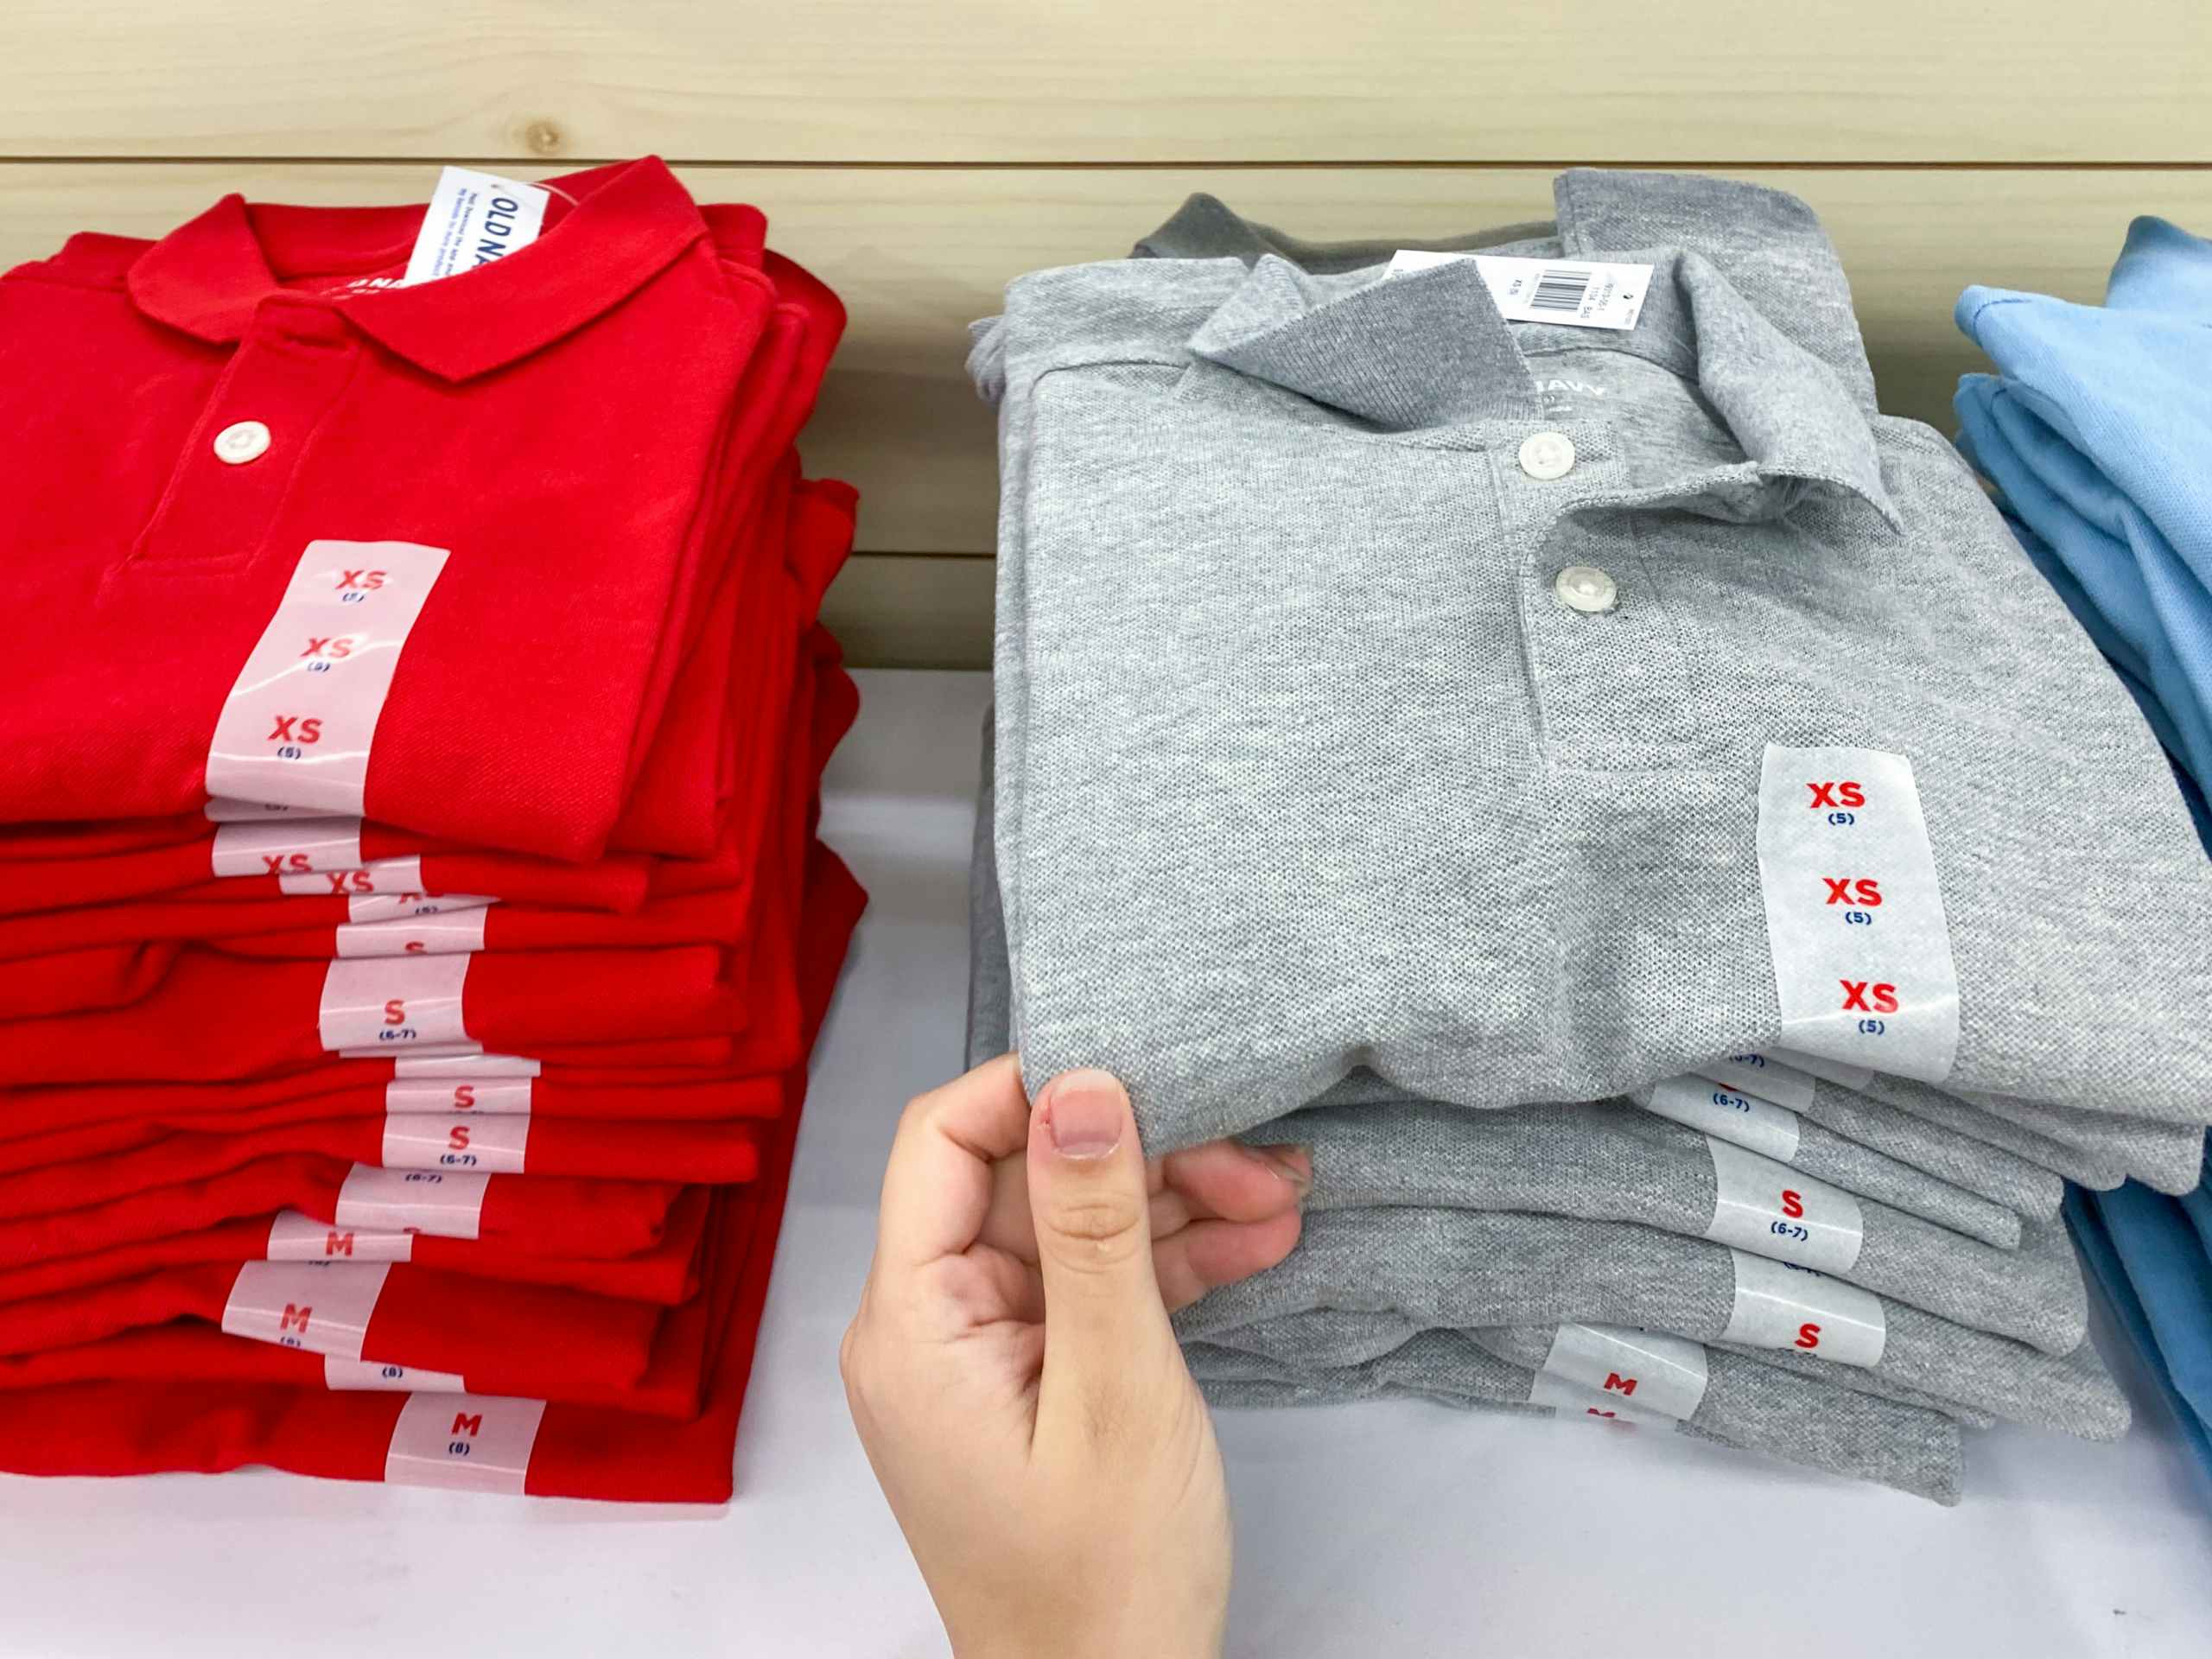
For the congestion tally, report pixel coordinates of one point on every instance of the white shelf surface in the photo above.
(1378, 1529)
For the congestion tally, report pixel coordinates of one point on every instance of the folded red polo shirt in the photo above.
(493, 415)
(393, 1313)
(547, 1214)
(214, 1016)
(520, 1445)
(69, 981)
(97, 837)
(666, 1273)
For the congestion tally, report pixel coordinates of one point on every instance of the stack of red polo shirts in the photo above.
(412, 929)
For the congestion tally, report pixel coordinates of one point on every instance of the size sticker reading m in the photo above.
(1770, 1209)
(1663, 1374)
(357, 1376)
(297, 726)
(295, 1237)
(1570, 1398)
(389, 1004)
(470, 1442)
(306, 1305)
(1863, 971)
(1778, 1306)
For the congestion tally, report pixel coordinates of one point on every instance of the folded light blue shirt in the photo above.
(2096, 428)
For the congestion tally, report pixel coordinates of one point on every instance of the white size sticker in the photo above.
(1839, 1072)
(1763, 1075)
(396, 878)
(469, 1442)
(295, 1237)
(366, 1376)
(390, 1004)
(473, 217)
(1779, 1305)
(476, 1064)
(1729, 1113)
(444, 1204)
(1770, 1209)
(1660, 1373)
(286, 847)
(1580, 293)
(1572, 1399)
(495, 1144)
(297, 726)
(414, 936)
(427, 1052)
(1862, 953)
(222, 811)
(460, 1097)
(390, 904)
(319, 1307)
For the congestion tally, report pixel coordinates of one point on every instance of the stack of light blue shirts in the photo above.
(2095, 431)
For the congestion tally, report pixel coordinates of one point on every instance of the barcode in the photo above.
(1560, 290)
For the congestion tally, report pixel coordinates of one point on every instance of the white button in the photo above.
(1549, 455)
(1586, 587)
(241, 442)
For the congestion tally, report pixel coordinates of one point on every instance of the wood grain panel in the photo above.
(1112, 80)
(917, 253)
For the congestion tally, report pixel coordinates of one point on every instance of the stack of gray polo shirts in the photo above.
(1406, 707)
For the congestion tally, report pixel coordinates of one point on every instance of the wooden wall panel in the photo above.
(1112, 80)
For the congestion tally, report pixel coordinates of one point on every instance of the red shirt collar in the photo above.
(629, 221)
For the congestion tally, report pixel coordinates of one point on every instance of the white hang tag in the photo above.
(295, 1237)
(1780, 1306)
(1663, 1373)
(460, 1097)
(495, 1144)
(414, 936)
(473, 1064)
(465, 1442)
(320, 1308)
(298, 848)
(366, 1376)
(443, 1203)
(1839, 1072)
(382, 1004)
(1862, 953)
(1580, 293)
(1758, 1125)
(474, 219)
(1769, 1209)
(1763, 1075)
(1571, 1399)
(297, 726)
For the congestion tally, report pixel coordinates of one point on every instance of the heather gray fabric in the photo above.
(1822, 1155)
(1334, 1338)
(2021, 1184)
(1461, 1269)
(1853, 1434)
(1608, 1161)
(1302, 769)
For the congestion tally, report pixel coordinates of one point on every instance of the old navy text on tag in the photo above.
(1579, 293)
(474, 219)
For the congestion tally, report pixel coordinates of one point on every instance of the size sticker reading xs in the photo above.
(286, 847)
(1862, 953)
(1580, 293)
(378, 1004)
(297, 726)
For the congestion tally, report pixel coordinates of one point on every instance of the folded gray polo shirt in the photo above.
(1735, 1402)
(1383, 683)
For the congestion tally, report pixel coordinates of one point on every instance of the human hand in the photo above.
(1015, 1378)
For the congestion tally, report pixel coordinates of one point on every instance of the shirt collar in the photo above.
(628, 223)
(1429, 348)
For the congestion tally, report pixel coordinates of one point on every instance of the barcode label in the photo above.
(1592, 294)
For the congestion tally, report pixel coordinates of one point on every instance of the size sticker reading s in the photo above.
(447, 935)
(470, 1442)
(496, 1145)
(1778, 1306)
(476, 1065)
(380, 1004)
(1663, 1373)
(445, 1203)
(297, 726)
(477, 1097)
(306, 1305)
(1729, 1113)
(1862, 953)
(1770, 1209)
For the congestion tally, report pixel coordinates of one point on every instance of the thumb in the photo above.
(1088, 1203)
